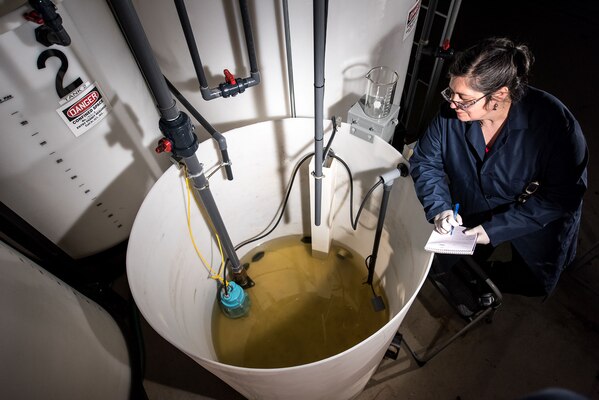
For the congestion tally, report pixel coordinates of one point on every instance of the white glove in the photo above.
(482, 237)
(444, 221)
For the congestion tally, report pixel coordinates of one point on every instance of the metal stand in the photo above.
(483, 314)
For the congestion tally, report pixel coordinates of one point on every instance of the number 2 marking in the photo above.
(64, 65)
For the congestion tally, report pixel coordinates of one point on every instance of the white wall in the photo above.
(360, 35)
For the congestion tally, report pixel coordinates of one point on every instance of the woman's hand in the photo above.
(444, 221)
(482, 237)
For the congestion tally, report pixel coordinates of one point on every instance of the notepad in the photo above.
(458, 243)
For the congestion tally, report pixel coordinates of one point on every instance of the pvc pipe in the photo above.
(319, 7)
(176, 297)
(138, 42)
(249, 37)
(191, 43)
(243, 83)
(422, 42)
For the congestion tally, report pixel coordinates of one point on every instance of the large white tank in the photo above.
(176, 296)
(54, 342)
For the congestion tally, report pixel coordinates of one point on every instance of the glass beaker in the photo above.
(379, 92)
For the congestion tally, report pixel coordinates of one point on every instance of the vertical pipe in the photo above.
(196, 173)
(379, 230)
(191, 42)
(138, 42)
(319, 11)
(249, 37)
(289, 58)
(142, 51)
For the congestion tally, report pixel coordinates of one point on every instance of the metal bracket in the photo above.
(393, 350)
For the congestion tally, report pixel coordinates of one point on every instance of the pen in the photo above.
(456, 208)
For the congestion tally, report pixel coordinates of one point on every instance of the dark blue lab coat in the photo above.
(541, 141)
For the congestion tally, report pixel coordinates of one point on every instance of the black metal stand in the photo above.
(485, 313)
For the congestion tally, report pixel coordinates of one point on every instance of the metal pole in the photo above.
(438, 66)
(422, 43)
(379, 230)
(289, 58)
(319, 11)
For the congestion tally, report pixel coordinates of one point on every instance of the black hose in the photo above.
(288, 192)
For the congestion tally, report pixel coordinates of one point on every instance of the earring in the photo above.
(495, 106)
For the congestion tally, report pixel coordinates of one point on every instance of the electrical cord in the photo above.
(354, 223)
(282, 207)
(213, 275)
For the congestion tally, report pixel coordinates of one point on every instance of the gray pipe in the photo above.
(191, 42)
(289, 58)
(139, 45)
(135, 35)
(195, 171)
(319, 8)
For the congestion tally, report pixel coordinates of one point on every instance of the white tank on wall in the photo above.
(54, 342)
(76, 168)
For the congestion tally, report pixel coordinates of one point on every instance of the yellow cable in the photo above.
(214, 275)
(220, 248)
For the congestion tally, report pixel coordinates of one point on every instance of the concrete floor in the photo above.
(530, 344)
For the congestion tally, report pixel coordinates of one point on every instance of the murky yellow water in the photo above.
(303, 308)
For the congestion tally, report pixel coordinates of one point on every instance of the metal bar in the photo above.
(289, 57)
(379, 230)
(424, 36)
(436, 350)
(438, 66)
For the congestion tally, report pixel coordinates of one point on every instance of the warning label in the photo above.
(86, 107)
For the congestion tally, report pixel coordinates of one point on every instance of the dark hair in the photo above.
(493, 63)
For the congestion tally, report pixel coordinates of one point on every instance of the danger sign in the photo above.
(85, 108)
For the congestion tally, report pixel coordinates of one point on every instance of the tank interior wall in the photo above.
(172, 287)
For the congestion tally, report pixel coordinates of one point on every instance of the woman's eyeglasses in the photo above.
(448, 94)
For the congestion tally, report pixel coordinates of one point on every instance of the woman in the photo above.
(514, 158)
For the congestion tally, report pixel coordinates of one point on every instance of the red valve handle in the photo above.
(229, 78)
(34, 16)
(164, 145)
